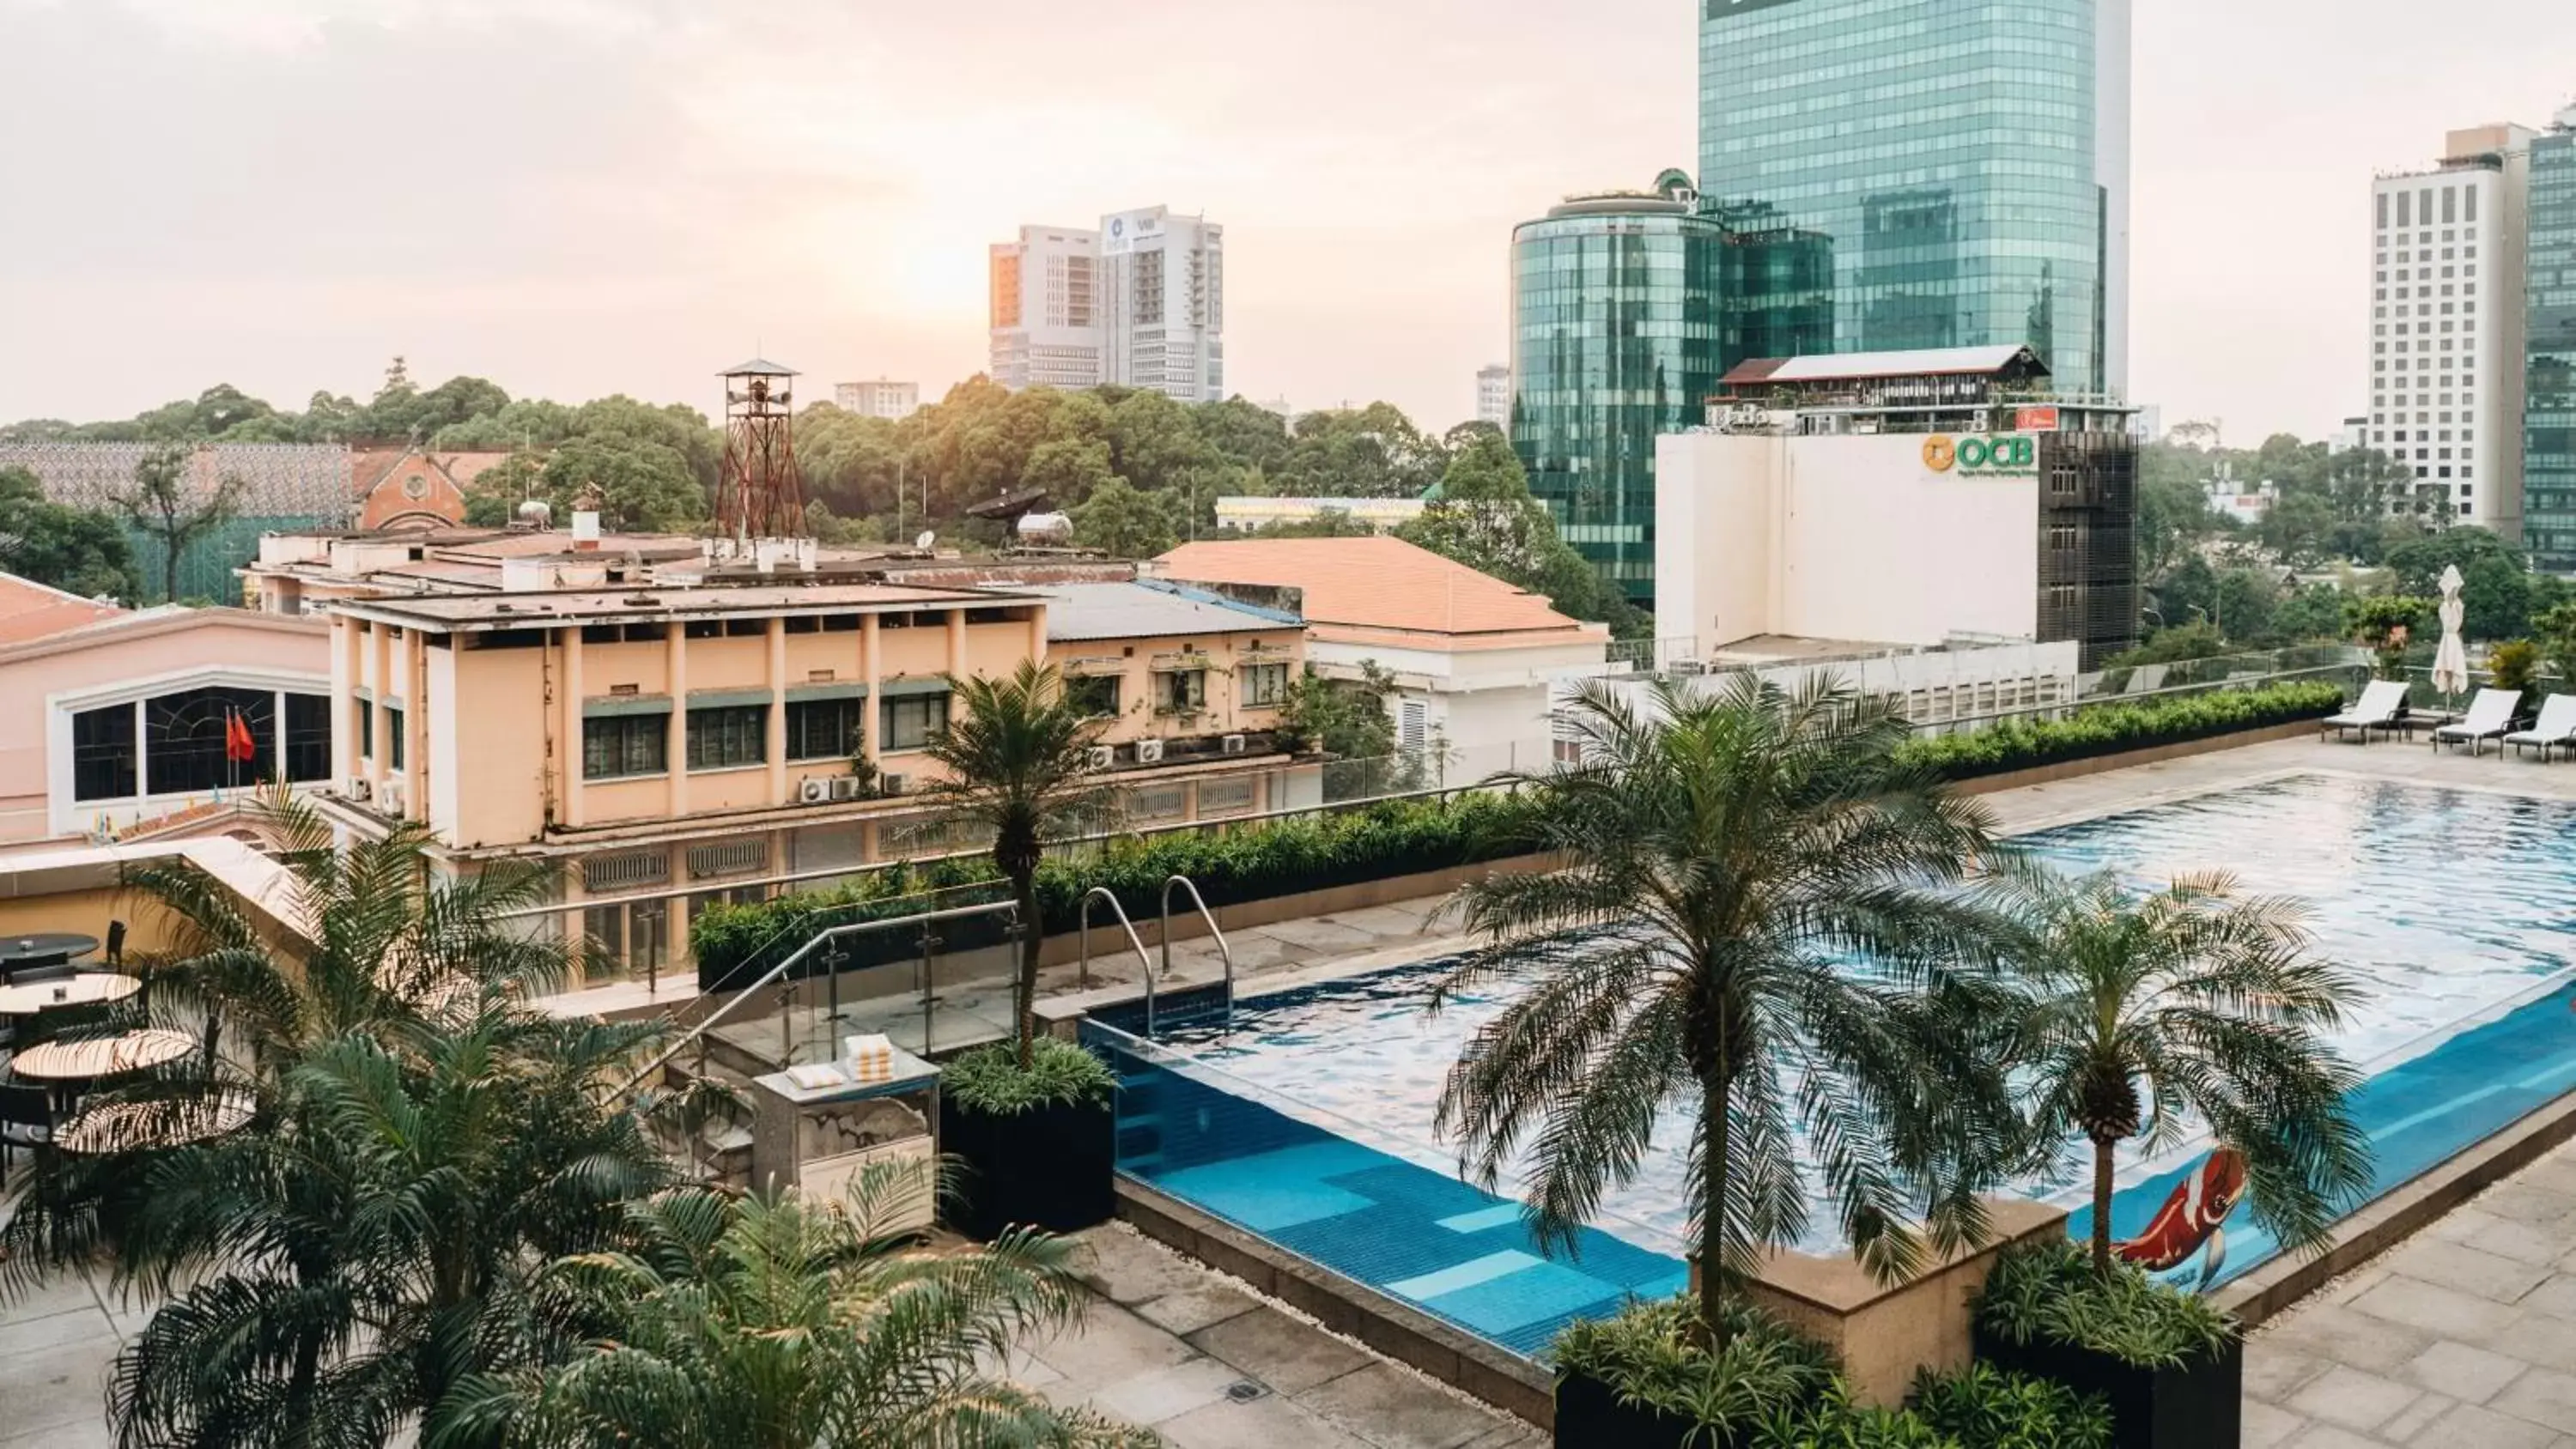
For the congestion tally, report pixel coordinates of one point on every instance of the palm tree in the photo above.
(1758, 924)
(783, 1323)
(1018, 759)
(335, 1271)
(2214, 1005)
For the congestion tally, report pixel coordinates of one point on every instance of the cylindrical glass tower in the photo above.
(1615, 303)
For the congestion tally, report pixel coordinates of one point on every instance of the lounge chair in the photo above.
(2490, 715)
(2556, 726)
(2381, 706)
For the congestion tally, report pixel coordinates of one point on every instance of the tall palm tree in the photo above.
(1759, 924)
(335, 1271)
(2142, 1016)
(783, 1323)
(1018, 757)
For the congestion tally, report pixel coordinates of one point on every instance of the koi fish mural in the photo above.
(2190, 1220)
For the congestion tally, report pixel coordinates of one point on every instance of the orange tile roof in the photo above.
(1382, 589)
(30, 610)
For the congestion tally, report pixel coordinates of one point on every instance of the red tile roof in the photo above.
(1382, 589)
(30, 610)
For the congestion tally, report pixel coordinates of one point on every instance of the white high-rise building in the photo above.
(878, 399)
(1138, 303)
(1164, 285)
(1047, 318)
(1494, 395)
(2446, 323)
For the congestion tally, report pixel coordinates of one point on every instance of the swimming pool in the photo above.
(1309, 1121)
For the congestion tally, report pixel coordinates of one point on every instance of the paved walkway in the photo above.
(2463, 1336)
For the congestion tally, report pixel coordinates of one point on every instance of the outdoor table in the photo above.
(120, 1126)
(107, 1056)
(88, 988)
(49, 948)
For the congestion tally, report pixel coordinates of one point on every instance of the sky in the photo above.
(580, 197)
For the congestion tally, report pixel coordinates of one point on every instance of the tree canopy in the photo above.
(67, 548)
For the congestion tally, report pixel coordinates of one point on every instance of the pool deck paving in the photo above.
(2464, 1335)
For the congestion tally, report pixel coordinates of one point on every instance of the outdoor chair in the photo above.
(115, 945)
(2556, 726)
(26, 1119)
(2381, 706)
(2490, 716)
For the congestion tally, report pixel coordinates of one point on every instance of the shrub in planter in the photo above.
(1982, 1408)
(1639, 1380)
(1035, 1148)
(2170, 1365)
(2106, 729)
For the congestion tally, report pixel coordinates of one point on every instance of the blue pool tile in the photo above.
(1500, 1215)
(1464, 1275)
(1541, 1292)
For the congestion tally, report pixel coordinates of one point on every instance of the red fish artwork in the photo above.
(2190, 1219)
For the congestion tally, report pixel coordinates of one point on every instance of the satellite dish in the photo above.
(924, 542)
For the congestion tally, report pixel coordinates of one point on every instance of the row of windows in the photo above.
(724, 737)
(175, 744)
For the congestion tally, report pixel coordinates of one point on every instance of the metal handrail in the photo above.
(1223, 949)
(698, 1033)
(1105, 893)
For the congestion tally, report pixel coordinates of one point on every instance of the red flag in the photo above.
(239, 745)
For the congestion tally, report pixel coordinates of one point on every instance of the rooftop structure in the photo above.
(1147, 608)
(1248, 513)
(408, 487)
(2003, 388)
(30, 610)
(760, 493)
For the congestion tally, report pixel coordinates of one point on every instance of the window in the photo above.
(909, 722)
(1265, 686)
(614, 747)
(184, 737)
(746, 628)
(728, 736)
(1095, 692)
(103, 758)
(366, 729)
(394, 728)
(308, 737)
(1180, 691)
(825, 729)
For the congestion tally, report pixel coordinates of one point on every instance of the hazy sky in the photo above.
(577, 197)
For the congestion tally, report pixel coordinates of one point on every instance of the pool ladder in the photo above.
(1197, 902)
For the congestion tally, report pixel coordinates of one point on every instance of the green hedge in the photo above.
(1253, 862)
(2109, 729)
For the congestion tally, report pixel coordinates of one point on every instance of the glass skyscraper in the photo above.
(1615, 339)
(2549, 351)
(1966, 164)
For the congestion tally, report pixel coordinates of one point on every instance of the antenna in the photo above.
(927, 539)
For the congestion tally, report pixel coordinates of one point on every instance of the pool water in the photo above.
(1309, 1119)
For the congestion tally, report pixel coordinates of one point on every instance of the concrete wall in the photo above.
(1132, 661)
(1838, 538)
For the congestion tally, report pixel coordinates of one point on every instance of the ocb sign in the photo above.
(2002, 454)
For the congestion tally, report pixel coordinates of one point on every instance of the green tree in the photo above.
(2418, 561)
(1370, 452)
(777, 1323)
(1731, 856)
(1069, 471)
(649, 487)
(1017, 760)
(1244, 432)
(2299, 527)
(166, 502)
(2385, 624)
(1346, 719)
(2495, 598)
(2143, 1017)
(2173, 644)
(2556, 627)
(67, 548)
(1123, 522)
(2173, 508)
(2309, 614)
(1485, 517)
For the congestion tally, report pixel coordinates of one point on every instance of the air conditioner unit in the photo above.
(355, 787)
(1230, 745)
(845, 787)
(1149, 752)
(813, 792)
(1103, 756)
(390, 798)
(894, 784)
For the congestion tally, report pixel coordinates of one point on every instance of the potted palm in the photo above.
(2143, 1018)
(1031, 1121)
(1730, 854)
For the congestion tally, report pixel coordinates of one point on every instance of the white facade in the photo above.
(878, 399)
(1046, 309)
(1494, 395)
(1164, 303)
(1855, 537)
(1483, 709)
(1139, 302)
(2446, 310)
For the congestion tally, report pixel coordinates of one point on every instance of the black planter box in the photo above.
(1590, 1416)
(2200, 1407)
(1050, 1168)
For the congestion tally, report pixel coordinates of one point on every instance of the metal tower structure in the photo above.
(760, 493)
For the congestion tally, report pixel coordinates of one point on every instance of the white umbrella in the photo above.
(2451, 661)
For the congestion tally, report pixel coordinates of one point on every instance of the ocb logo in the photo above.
(2007, 452)
(1938, 453)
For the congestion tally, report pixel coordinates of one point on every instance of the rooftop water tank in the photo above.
(1051, 529)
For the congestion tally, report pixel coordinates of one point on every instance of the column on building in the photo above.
(571, 752)
(380, 729)
(777, 742)
(676, 746)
